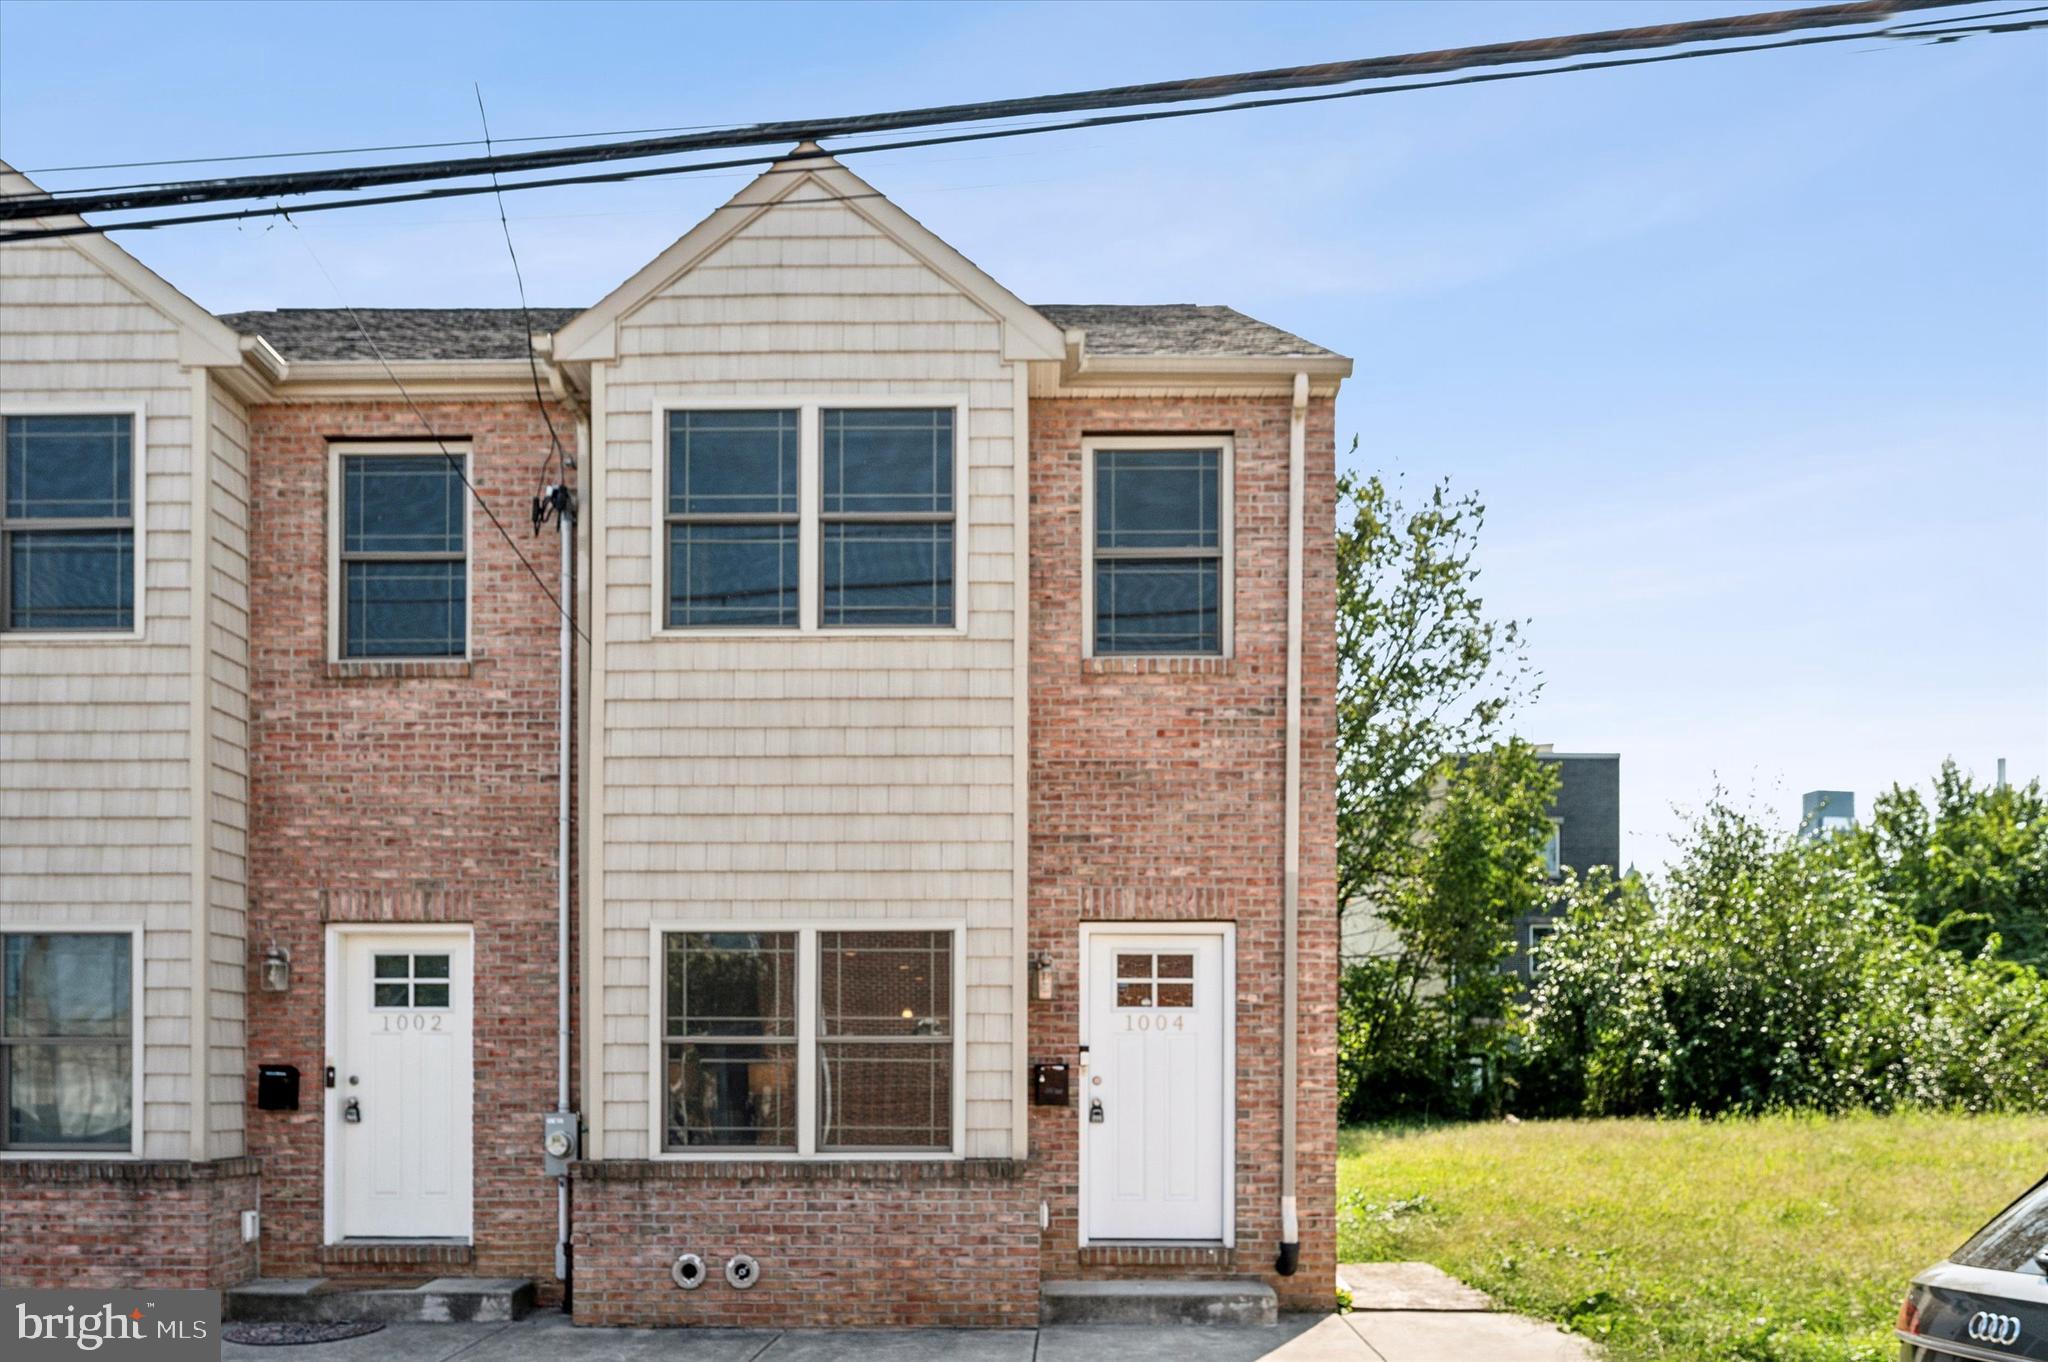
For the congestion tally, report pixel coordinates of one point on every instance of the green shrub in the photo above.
(1768, 973)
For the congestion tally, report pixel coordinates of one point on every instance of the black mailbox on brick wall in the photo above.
(277, 1087)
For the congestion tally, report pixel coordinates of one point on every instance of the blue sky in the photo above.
(1748, 356)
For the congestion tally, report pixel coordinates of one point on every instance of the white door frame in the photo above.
(1228, 932)
(336, 1004)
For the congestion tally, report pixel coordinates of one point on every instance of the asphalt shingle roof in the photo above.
(413, 333)
(1175, 329)
(317, 333)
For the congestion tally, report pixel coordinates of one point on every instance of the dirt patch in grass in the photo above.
(1787, 1239)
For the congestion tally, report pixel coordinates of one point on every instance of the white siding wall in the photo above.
(227, 682)
(823, 776)
(96, 819)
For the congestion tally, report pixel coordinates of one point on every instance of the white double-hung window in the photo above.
(807, 1041)
(1156, 548)
(70, 493)
(68, 1077)
(808, 515)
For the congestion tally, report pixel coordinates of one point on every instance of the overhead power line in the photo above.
(1962, 28)
(276, 185)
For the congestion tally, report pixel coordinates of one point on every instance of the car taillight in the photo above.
(1909, 1316)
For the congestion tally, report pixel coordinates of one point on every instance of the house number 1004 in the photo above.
(1149, 1021)
(411, 1021)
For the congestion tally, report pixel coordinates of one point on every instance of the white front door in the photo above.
(1158, 1011)
(399, 1112)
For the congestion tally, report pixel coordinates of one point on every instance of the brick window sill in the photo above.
(449, 668)
(1157, 666)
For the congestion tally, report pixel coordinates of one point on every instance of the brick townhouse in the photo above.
(920, 903)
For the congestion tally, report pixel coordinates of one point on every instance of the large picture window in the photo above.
(811, 516)
(67, 524)
(811, 1041)
(404, 555)
(67, 1059)
(1159, 564)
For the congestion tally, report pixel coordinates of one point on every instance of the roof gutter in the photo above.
(1297, 445)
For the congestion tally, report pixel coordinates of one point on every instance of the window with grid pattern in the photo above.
(730, 1058)
(66, 1041)
(733, 519)
(887, 516)
(404, 556)
(67, 523)
(1158, 551)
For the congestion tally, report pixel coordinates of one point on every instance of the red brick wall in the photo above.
(1157, 795)
(428, 796)
(839, 1244)
(154, 1223)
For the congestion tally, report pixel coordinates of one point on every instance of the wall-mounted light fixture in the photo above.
(277, 970)
(1041, 976)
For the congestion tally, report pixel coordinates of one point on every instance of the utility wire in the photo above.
(795, 162)
(1161, 92)
(428, 426)
(526, 316)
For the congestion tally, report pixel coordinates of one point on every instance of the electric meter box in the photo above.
(560, 1134)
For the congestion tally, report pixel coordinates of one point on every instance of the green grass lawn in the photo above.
(1779, 1240)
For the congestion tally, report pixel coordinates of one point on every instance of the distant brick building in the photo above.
(947, 674)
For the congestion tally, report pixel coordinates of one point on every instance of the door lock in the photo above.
(352, 1112)
(1095, 1117)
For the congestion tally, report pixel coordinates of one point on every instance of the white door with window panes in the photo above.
(399, 1112)
(1154, 1088)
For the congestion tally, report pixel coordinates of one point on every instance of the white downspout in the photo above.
(1290, 1223)
(565, 521)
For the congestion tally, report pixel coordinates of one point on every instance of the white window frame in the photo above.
(810, 491)
(806, 933)
(138, 473)
(1226, 524)
(337, 504)
(133, 931)
(1540, 929)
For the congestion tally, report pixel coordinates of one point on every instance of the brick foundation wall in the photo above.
(839, 1244)
(1157, 795)
(406, 792)
(148, 1223)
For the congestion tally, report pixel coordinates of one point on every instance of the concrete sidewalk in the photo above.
(1369, 1336)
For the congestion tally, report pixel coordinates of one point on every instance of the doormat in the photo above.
(291, 1335)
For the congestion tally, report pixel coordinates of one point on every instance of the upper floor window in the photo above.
(67, 524)
(1159, 547)
(809, 517)
(1553, 849)
(67, 1062)
(404, 555)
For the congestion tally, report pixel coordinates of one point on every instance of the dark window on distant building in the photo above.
(67, 524)
(404, 556)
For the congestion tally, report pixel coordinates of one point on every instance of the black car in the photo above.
(1989, 1301)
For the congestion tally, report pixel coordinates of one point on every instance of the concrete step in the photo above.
(437, 1300)
(1156, 1302)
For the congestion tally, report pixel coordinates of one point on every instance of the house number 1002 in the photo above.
(411, 1021)
(1149, 1021)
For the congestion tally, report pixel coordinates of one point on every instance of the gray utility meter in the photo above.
(560, 1133)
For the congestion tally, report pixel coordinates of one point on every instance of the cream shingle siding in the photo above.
(96, 814)
(227, 686)
(822, 776)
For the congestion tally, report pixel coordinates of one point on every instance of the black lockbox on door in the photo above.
(277, 1087)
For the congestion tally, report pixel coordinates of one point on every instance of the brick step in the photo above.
(350, 1257)
(1156, 1302)
(433, 1300)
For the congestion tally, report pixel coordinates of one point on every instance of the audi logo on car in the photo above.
(2004, 1330)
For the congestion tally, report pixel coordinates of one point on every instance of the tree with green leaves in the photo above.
(1424, 673)
(1426, 1026)
(1971, 867)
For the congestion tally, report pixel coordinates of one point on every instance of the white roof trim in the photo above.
(203, 339)
(593, 335)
